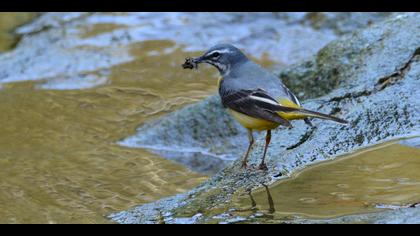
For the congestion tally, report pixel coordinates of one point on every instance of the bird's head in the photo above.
(221, 56)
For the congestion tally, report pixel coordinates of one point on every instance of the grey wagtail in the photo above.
(257, 99)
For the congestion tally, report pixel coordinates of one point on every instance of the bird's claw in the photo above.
(263, 167)
(244, 165)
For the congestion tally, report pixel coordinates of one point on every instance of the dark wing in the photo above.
(254, 103)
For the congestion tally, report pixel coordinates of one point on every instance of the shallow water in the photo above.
(58, 159)
(366, 181)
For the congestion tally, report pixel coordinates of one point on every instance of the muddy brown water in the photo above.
(59, 162)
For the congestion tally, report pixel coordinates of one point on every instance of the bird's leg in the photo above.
(263, 166)
(251, 142)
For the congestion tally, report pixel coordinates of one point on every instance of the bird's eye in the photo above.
(215, 54)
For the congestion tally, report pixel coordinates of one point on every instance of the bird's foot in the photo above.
(244, 165)
(263, 167)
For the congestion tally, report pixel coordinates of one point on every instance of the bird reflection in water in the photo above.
(271, 209)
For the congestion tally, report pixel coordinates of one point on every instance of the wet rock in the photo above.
(52, 50)
(375, 79)
(191, 137)
(412, 142)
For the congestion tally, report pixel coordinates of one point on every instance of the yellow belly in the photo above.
(253, 123)
(260, 124)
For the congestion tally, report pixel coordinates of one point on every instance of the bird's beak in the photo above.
(198, 60)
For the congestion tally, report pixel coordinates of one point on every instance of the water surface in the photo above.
(366, 181)
(59, 161)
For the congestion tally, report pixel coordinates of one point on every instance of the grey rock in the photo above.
(191, 137)
(377, 71)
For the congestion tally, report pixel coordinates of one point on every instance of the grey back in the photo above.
(249, 75)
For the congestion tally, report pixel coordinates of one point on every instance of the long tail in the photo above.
(322, 116)
(307, 113)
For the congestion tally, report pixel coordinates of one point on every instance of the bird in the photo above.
(253, 96)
